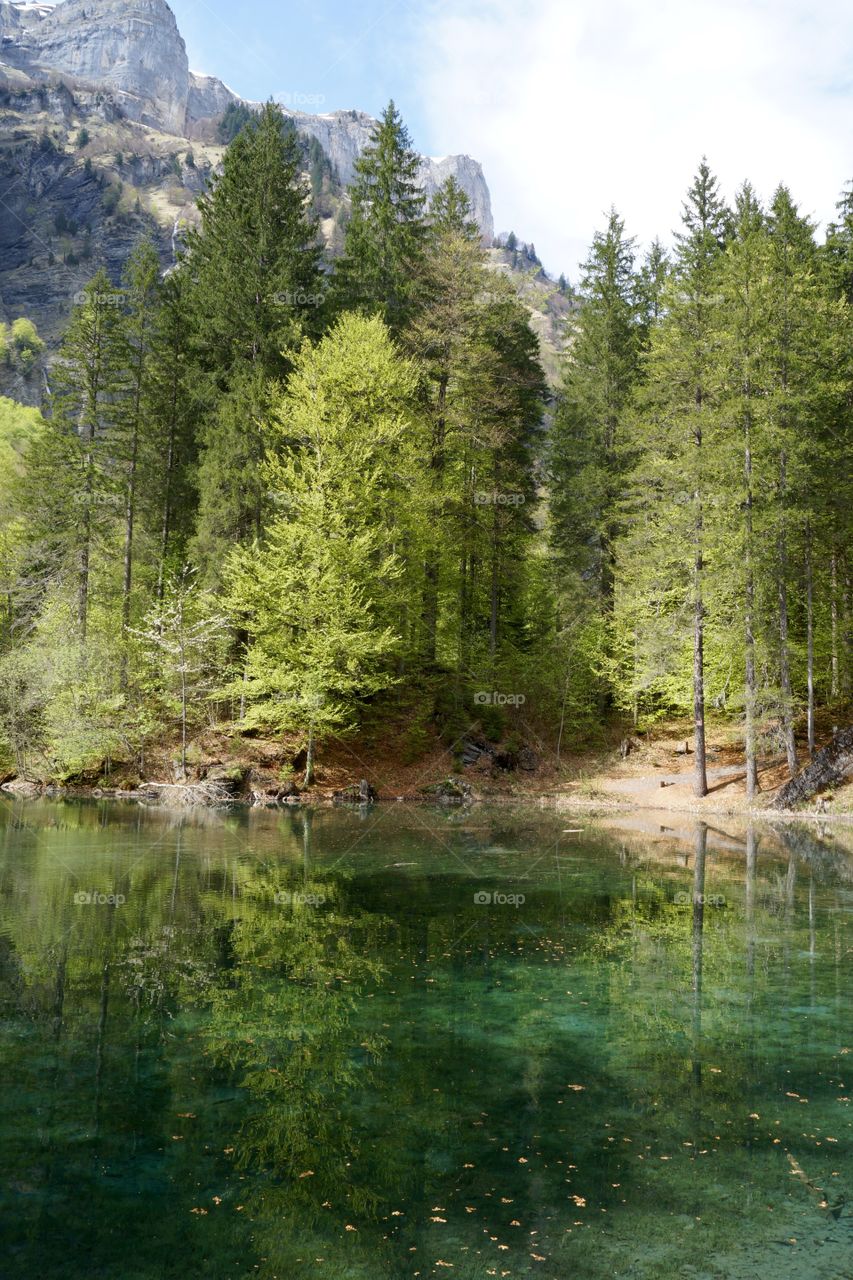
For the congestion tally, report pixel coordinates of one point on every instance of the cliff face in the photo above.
(343, 135)
(133, 52)
(130, 47)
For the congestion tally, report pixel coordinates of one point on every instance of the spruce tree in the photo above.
(254, 293)
(385, 236)
(588, 447)
(74, 498)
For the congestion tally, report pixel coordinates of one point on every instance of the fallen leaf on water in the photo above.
(309, 1173)
(351, 1228)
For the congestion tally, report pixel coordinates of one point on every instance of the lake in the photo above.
(411, 1042)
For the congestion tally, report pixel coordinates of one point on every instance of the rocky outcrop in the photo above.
(207, 98)
(131, 47)
(343, 135)
(133, 52)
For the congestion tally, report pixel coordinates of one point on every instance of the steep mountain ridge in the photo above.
(133, 50)
(106, 136)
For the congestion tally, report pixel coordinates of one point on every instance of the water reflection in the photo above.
(386, 1044)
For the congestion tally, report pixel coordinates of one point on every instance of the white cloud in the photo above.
(574, 105)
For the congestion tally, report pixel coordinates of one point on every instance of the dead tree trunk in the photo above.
(829, 767)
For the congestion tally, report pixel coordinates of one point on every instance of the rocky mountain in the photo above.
(133, 50)
(106, 136)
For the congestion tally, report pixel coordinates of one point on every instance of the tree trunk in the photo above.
(833, 606)
(785, 661)
(129, 518)
(829, 767)
(494, 588)
(749, 633)
(810, 640)
(309, 759)
(166, 520)
(700, 771)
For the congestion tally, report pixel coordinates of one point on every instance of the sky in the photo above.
(570, 105)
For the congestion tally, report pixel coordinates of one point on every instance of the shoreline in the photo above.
(559, 802)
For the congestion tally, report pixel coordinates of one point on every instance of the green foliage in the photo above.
(253, 291)
(25, 345)
(234, 119)
(385, 235)
(317, 596)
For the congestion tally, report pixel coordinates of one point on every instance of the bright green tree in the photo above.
(316, 597)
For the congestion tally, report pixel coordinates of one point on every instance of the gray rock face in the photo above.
(207, 98)
(469, 174)
(131, 47)
(134, 51)
(343, 135)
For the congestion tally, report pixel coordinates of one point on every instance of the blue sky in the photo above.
(570, 105)
(325, 54)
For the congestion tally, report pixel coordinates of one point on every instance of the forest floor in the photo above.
(657, 773)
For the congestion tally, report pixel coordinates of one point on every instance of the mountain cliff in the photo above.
(106, 136)
(133, 50)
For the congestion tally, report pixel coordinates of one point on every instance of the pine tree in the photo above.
(744, 287)
(386, 233)
(254, 292)
(588, 450)
(171, 501)
(143, 294)
(669, 486)
(73, 496)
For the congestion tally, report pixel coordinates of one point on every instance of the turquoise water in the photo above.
(301, 1044)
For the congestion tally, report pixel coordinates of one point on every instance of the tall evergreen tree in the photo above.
(317, 596)
(255, 291)
(669, 489)
(601, 372)
(385, 237)
(73, 496)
